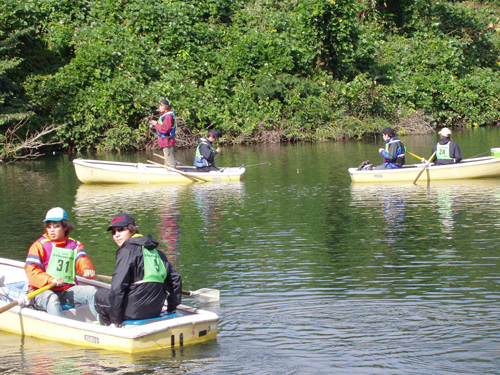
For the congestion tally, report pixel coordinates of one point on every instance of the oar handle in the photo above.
(416, 156)
(41, 290)
(103, 277)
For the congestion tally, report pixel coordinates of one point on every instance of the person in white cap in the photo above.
(57, 258)
(447, 151)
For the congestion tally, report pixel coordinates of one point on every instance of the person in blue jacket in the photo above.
(394, 151)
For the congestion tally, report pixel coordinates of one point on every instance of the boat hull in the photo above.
(468, 169)
(108, 172)
(194, 326)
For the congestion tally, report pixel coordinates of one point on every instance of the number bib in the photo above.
(62, 264)
(154, 268)
(443, 151)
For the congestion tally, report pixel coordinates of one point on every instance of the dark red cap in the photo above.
(121, 220)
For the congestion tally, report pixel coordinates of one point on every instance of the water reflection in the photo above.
(394, 212)
(25, 355)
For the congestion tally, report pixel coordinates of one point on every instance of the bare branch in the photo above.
(15, 148)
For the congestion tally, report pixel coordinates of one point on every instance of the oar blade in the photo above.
(207, 295)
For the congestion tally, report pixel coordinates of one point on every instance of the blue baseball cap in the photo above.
(56, 214)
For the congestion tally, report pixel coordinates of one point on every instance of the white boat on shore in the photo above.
(187, 326)
(112, 172)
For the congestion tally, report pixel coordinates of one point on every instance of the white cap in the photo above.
(445, 132)
(56, 214)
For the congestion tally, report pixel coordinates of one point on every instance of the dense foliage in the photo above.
(258, 70)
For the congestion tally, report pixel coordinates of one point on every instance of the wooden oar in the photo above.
(424, 168)
(29, 296)
(203, 295)
(180, 172)
(183, 166)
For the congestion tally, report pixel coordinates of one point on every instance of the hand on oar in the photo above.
(23, 299)
(203, 295)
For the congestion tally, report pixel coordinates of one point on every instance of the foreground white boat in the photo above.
(188, 326)
(112, 172)
(468, 168)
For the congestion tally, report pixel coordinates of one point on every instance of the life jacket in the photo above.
(154, 268)
(171, 133)
(199, 159)
(400, 153)
(443, 151)
(60, 263)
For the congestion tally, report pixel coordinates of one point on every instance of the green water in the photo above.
(317, 275)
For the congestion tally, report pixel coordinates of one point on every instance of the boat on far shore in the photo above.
(485, 167)
(112, 172)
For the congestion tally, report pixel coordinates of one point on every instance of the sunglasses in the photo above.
(53, 225)
(121, 229)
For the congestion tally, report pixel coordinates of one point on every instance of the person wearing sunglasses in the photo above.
(57, 258)
(143, 277)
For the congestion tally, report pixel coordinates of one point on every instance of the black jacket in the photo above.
(140, 301)
(207, 151)
(455, 153)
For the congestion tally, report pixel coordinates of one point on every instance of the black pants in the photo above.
(102, 306)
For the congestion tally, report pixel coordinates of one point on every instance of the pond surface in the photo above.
(317, 275)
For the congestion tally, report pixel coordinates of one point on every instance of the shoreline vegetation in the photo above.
(88, 75)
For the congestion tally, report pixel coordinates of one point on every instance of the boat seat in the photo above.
(163, 316)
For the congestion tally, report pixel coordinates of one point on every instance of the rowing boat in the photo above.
(187, 326)
(112, 172)
(485, 167)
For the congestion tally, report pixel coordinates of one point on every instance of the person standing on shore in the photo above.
(165, 128)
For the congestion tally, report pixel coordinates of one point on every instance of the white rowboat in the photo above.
(112, 172)
(485, 167)
(188, 326)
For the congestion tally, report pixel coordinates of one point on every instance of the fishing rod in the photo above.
(482, 153)
(253, 165)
